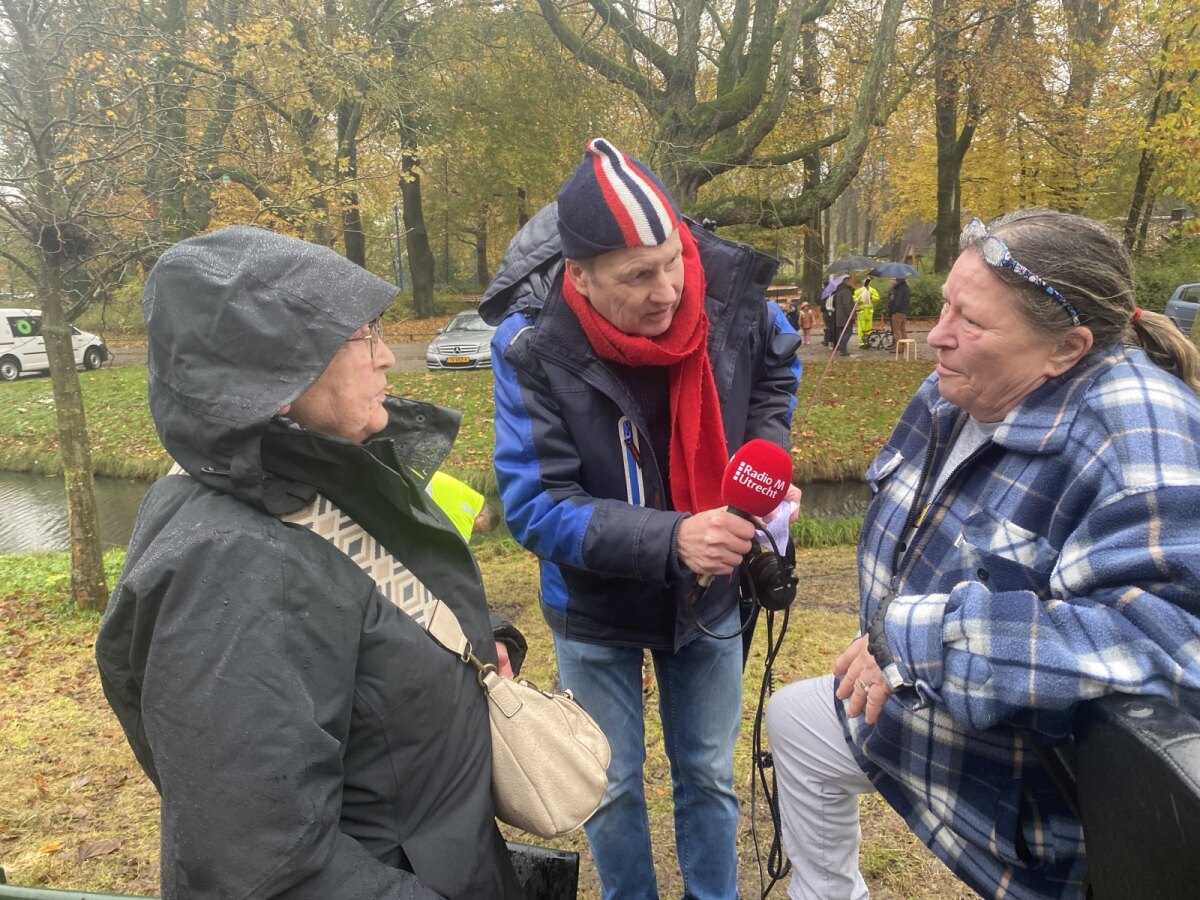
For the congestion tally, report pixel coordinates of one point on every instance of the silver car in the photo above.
(1181, 308)
(465, 343)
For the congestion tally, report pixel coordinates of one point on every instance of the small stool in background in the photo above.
(909, 345)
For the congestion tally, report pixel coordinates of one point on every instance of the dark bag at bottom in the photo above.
(546, 874)
(1137, 771)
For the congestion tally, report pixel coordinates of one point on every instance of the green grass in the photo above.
(124, 442)
(77, 813)
(835, 435)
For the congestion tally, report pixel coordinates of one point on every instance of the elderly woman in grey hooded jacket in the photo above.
(264, 649)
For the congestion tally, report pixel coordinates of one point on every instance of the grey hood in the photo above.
(240, 322)
(527, 272)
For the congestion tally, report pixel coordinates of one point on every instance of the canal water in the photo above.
(33, 509)
(33, 512)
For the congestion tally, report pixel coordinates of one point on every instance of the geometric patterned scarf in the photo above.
(391, 577)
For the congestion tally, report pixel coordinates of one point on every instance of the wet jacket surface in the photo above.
(1057, 564)
(582, 486)
(899, 298)
(309, 740)
(843, 305)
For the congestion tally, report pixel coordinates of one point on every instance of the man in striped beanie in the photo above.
(635, 351)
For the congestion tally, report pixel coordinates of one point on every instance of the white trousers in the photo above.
(819, 782)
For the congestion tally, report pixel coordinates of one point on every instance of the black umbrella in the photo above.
(851, 264)
(894, 270)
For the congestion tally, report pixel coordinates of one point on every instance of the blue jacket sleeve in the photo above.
(547, 509)
(773, 394)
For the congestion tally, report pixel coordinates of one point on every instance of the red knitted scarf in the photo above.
(698, 454)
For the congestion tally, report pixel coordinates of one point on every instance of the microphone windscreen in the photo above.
(757, 478)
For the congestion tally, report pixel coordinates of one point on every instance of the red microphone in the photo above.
(755, 482)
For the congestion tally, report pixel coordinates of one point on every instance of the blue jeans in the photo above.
(700, 702)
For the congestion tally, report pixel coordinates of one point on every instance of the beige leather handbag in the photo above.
(549, 757)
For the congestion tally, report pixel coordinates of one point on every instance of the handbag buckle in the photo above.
(482, 669)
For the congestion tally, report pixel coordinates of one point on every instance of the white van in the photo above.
(22, 348)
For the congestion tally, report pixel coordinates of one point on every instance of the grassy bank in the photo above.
(835, 433)
(76, 812)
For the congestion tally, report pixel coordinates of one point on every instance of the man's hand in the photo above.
(863, 686)
(713, 542)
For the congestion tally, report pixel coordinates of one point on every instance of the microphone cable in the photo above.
(777, 864)
(762, 764)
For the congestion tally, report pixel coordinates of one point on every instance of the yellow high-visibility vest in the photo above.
(459, 501)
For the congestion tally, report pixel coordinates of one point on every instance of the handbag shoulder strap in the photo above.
(393, 580)
(443, 627)
(391, 576)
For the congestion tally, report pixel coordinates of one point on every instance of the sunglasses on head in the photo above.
(997, 255)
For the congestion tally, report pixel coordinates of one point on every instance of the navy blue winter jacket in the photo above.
(581, 485)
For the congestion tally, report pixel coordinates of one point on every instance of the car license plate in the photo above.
(457, 360)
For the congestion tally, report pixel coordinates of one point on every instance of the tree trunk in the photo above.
(482, 276)
(1138, 203)
(743, 54)
(949, 213)
(416, 238)
(89, 588)
(355, 241)
(945, 39)
(814, 242)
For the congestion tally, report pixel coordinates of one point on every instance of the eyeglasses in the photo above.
(997, 255)
(375, 335)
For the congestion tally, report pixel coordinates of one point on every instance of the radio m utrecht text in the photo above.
(759, 482)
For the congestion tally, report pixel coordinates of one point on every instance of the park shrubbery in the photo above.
(1178, 262)
(926, 295)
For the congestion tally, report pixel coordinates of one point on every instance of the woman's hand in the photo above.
(793, 494)
(863, 687)
(503, 664)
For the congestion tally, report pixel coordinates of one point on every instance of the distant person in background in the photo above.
(829, 316)
(864, 302)
(488, 519)
(792, 312)
(843, 313)
(460, 502)
(898, 300)
(806, 321)
(1031, 545)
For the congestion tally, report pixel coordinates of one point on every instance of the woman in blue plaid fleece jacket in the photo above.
(1034, 542)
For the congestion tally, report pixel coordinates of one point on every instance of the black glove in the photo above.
(510, 636)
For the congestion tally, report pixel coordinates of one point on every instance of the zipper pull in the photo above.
(627, 427)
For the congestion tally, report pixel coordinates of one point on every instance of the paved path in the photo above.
(815, 353)
(411, 357)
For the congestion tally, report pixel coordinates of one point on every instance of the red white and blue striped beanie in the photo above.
(612, 201)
